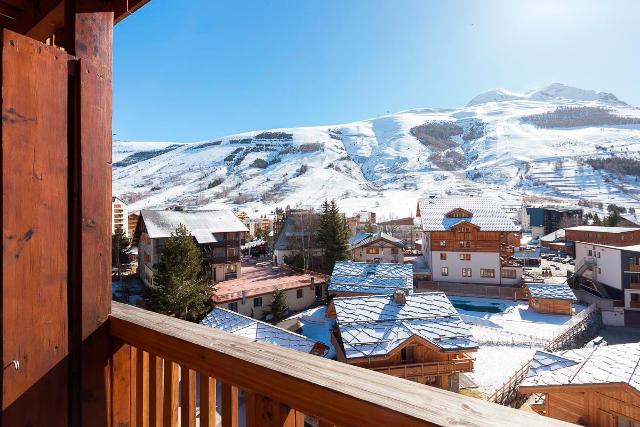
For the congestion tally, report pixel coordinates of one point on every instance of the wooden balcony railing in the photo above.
(634, 285)
(635, 268)
(412, 370)
(266, 385)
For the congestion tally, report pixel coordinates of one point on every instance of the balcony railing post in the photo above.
(229, 405)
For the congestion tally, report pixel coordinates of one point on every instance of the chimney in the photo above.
(400, 297)
(244, 297)
(312, 283)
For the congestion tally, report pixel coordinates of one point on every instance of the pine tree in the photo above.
(333, 235)
(613, 218)
(596, 219)
(369, 228)
(178, 288)
(279, 307)
(120, 250)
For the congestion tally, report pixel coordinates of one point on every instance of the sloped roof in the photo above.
(370, 278)
(375, 325)
(258, 331)
(290, 230)
(551, 291)
(603, 229)
(372, 238)
(555, 236)
(485, 214)
(603, 364)
(202, 224)
(358, 237)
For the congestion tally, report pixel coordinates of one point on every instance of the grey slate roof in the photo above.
(238, 324)
(378, 236)
(551, 291)
(370, 278)
(603, 364)
(375, 325)
(202, 224)
(485, 214)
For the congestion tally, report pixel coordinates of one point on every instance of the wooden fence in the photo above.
(574, 334)
(472, 289)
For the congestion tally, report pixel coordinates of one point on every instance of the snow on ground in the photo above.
(508, 338)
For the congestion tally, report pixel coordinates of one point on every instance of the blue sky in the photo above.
(201, 69)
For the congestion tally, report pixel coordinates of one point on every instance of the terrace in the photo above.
(71, 356)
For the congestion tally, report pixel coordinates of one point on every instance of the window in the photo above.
(231, 268)
(599, 271)
(257, 302)
(147, 258)
(590, 252)
(443, 243)
(508, 273)
(465, 244)
(465, 257)
(444, 271)
(233, 306)
(443, 256)
(406, 355)
(466, 272)
(487, 272)
(373, 250)
(598, 254)
(299, 293)
(394, 251)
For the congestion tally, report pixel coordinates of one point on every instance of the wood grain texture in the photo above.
(187, 397)
(34, 232)
(229, 411)
(142, 389)
(155, 390)
(121, 384)
(343, 394)
(207, 401)
(170, 398)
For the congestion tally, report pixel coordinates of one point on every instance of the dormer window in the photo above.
(459, 213)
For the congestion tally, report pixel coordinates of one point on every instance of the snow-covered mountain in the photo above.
(502, 145)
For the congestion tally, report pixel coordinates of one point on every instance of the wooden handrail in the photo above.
(336, 392)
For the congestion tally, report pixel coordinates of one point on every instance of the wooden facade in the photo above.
(469, 238)
(551, 306)
(612, 236)
(415, 360)
(608, 405)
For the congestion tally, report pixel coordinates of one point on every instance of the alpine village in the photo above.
(463, 312)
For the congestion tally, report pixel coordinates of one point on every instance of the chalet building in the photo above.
(359, 278)
(418, 337)
(252, 294)
(218, 234)
(244, 326)
(469, 240)
(119, 215)
(614, 272)
(377, 247)
(547, 219)
(597, 386)
(297, 236)
(615, 236)
(405, 229)
(551, 298)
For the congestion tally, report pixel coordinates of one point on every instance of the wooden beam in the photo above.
(343, 394)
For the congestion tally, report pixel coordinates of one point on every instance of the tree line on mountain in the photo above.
(564, 117)
(617, 165)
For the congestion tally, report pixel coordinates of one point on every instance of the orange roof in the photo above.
(263, 280)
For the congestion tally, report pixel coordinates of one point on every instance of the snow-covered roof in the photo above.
(372, 238)
(484, 214)
(551, 291)
(370, 278)
(555, 236)
(603, 364)
(375, 325)
(602, 229)
(358, 237)
(201, 224)
(238, 324)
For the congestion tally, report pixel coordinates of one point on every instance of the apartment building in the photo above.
(615, 236)
(119, 215)
(219, 235)
(547, 219)
(469, 240)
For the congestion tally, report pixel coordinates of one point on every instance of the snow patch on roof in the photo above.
(201, 224)
(486, 214)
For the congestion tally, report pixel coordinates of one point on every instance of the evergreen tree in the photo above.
(178, 287)
(596, 219)
(279, 307)
(613, 218)
(120, 250)
(369, 228)
(333, 235)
